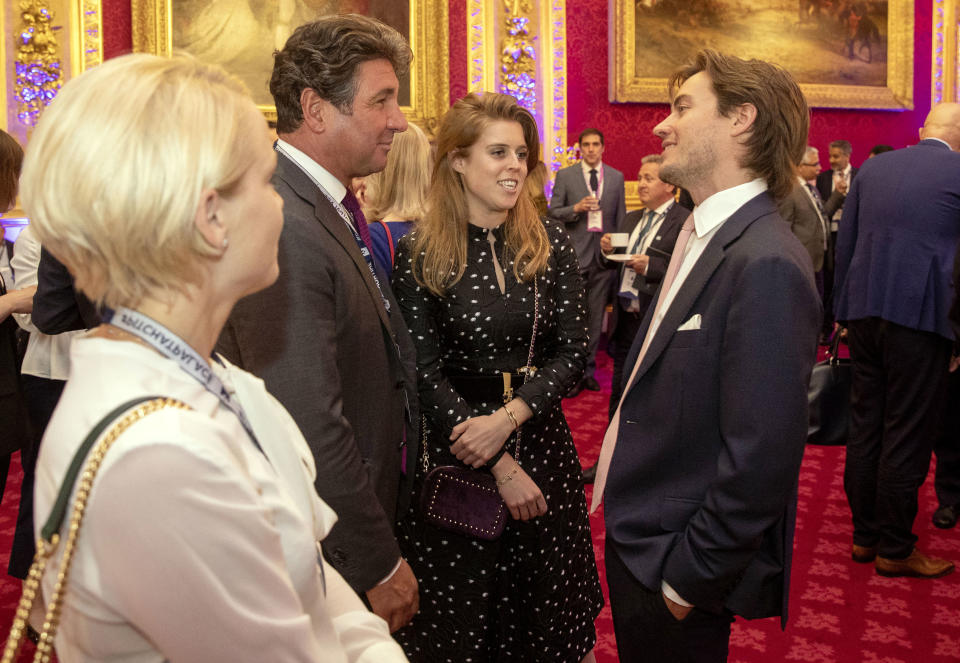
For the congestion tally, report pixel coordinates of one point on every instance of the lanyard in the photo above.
(173, 347)
(345, 216)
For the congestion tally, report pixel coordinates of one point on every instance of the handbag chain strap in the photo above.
(527, 371)
(49, 539)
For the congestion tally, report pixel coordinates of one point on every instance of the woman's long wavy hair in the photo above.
(440, 244)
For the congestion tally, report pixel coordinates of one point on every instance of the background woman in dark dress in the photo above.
(464, 279)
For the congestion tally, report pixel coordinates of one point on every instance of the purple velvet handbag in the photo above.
(463, 500)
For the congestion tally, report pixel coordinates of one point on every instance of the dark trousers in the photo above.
(628, 324)
(899, 382)
(646, 630)
(947, 446)
(41, 396)
(596, 285)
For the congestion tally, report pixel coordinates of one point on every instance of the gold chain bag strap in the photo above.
(50, 536)
(459, 499)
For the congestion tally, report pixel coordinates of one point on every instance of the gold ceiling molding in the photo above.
(945, 58)
(897, 94)
(429, 39)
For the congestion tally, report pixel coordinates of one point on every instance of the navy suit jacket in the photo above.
(898, 237)
(568, 190)
(702, 485)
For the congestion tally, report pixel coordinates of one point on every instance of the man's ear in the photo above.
(314, 110)
(208, 222)
(743, 117)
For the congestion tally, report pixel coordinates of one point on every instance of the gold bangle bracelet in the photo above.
(513, 418)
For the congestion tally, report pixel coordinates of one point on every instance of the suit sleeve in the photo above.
(846, 241)
(57, 306)
(798, 211)
(767, 353)
(833, 203)
(262, 337)
(561, 207)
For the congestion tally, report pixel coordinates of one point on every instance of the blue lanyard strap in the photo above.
(173, 347)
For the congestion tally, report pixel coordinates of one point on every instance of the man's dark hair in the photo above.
(324, 55)
(842, 145)
(778, 136)
(880, 149)
(590, 132)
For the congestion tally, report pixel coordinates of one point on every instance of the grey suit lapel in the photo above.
(330, 219)
(700, 275)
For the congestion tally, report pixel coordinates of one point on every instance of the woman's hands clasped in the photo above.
(478, 439)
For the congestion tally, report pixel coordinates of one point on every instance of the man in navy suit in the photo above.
(707, 442)
(589, 199)
(895, 250)
(832, 183)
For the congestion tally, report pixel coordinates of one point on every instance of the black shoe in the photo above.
(589, 474)
(575, 390)
(590, 383)
(946, 516)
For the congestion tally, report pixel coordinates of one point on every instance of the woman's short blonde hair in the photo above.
(400, 189)
(115, 171)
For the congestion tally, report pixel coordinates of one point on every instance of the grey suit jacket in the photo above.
(798, 210)
(569, 189)
(345, 369)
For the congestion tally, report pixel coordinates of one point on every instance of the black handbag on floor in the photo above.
(829, 398)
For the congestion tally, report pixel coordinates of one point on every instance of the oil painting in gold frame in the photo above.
(241, 35)
(846, 54)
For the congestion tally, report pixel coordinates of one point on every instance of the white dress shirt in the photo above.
(195, 546)
(626, 280)
(47, 356)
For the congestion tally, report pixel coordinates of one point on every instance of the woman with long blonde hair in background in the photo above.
(491, 292)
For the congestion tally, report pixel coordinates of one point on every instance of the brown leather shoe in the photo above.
(917, 565)
(863, 554)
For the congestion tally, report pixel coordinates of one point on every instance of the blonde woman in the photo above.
(473, 279)
(200, 537)
(394, 197)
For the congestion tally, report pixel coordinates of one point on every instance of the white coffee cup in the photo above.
(619, 240)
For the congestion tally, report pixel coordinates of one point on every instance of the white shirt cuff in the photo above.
(671, 594)
(391, 574)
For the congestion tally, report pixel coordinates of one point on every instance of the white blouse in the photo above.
(195, 547)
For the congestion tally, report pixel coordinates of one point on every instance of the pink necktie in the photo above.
(610, 438)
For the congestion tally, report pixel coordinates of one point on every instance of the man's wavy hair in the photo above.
(324, 55)
(778, 137)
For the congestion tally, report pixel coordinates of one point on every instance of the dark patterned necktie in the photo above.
(359, 220)
(594, 183)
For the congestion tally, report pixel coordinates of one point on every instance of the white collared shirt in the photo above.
(627, 288)
(708, 216)
(322, 177)
(586, 176)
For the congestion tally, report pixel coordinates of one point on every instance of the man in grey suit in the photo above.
(327, 338)
(589, 198)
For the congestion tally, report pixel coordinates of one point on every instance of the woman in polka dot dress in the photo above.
(467, 280)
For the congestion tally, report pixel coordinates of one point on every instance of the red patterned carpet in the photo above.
(840, 611)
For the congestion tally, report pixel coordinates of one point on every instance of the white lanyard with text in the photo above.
(173, 347)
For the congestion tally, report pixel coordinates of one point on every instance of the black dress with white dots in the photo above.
(533, 594)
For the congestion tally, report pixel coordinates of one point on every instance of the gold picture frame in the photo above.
(153, 22)
(626, 85)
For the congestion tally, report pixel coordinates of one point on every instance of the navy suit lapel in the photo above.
(693, 285)
(330, 219)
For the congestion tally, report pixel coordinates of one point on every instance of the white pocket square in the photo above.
(691, 324)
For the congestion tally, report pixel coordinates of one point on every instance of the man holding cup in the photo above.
(640, 250)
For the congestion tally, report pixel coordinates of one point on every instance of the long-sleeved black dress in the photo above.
(533, 594)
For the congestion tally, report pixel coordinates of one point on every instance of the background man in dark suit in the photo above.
(895, 250)
(707, 443)
(327, 338)
(653, 231)
(589, 198)
(834, 182)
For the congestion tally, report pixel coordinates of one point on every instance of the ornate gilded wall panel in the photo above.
(946, 52)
